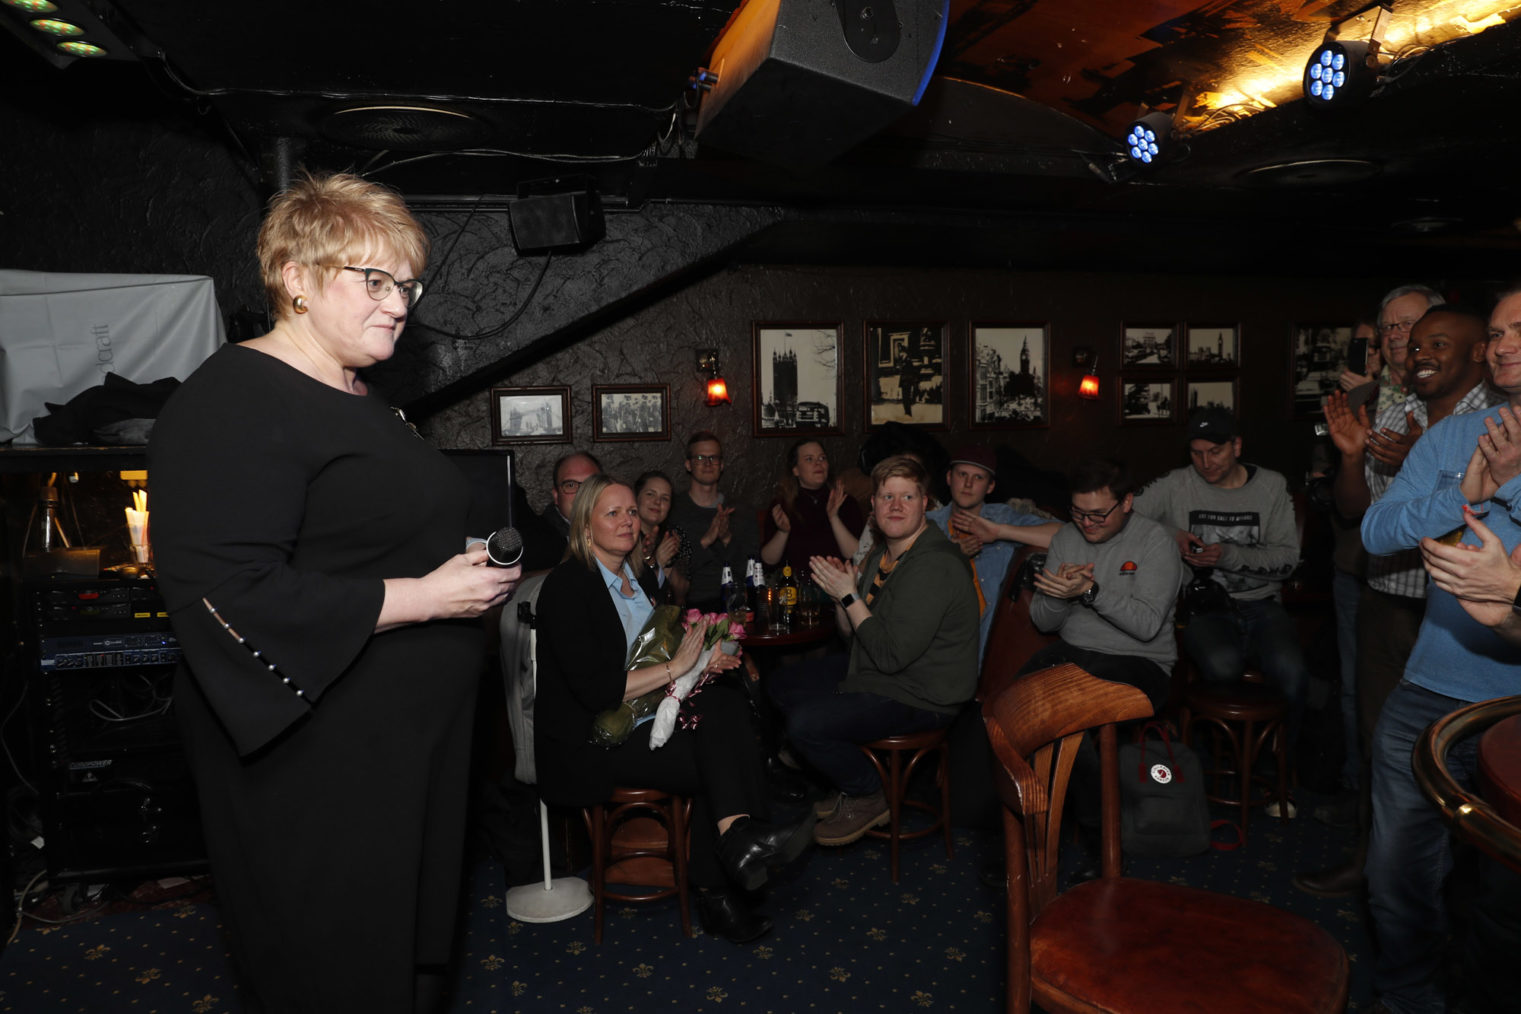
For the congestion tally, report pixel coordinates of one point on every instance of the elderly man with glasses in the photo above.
(1398, 311)
(544, 543)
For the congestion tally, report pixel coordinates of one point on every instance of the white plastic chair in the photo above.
(557, 898)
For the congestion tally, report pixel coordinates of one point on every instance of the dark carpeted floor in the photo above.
(845, 939)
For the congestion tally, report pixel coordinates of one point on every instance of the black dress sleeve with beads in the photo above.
(284, 503)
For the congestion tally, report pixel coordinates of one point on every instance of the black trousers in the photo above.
(717, 763)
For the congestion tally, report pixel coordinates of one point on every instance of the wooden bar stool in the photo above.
(639, 836)
(1247, 714)
(895, 778)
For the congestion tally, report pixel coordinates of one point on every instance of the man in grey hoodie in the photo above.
(1109, 586)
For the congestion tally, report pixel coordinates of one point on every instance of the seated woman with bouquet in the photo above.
(591, 612)
(810, 516)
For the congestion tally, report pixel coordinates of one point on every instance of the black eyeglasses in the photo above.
(570, 486)
(378, 283)
(1093, 517)
(707, 459)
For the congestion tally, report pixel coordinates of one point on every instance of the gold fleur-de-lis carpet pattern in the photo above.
(845, 939)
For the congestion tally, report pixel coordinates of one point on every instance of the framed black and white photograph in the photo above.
(1210, 394)
(1149, 346)
(797, 378)
(1007, 374)
(530, 415)
(1213, 346)
(1147, 400)
(631, 412)
(905, 373)
(1320, 356)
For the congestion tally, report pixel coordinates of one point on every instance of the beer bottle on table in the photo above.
(789, 596)
(755, 579)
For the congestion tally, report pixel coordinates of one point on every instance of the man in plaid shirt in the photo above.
(1445, 371)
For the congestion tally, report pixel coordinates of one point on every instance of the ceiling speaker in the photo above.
(797, 82)
(556, 221)
(404, 128)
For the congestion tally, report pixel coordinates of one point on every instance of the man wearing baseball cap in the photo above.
(1234, 523)
(988, 533)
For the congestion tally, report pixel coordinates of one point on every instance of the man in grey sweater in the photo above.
(1236, 522)
(1109, 586)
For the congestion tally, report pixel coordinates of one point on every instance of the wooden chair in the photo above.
(1246, 717)
(1117, 944)
(1013, 638)
(918, 746)
(639, 836)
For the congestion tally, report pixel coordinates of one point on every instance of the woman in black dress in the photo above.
(589, 611)
(311, 548)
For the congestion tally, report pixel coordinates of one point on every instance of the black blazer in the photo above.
(580, 669)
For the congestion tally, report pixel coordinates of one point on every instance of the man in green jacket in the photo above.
(912, 618)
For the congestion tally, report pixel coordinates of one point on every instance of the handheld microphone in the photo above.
(505, 547)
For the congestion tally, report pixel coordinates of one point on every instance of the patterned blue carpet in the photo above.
(845, 939)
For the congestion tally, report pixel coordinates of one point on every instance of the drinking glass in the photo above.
(810, 604)
(771, 602)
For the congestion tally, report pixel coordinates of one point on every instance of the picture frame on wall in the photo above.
(1147, 400)
(798, 387)
(1007, 374)
(1212, 347)
(1210, 392)
(905, 373)
(631, 412)
(530, 415)
(1319, 357)
(1149, 347)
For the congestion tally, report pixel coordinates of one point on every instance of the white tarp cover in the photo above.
(61, 333)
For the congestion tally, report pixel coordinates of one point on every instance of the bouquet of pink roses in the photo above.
(656, 643)
(722, 631)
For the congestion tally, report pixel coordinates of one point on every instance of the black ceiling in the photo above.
(1017, 128)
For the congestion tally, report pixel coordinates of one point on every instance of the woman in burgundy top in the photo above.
(810, 516)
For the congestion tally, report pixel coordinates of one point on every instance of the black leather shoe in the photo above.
(1337, 882)
(725, 914)
(750, 848)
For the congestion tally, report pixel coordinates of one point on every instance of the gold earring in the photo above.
(298, 304)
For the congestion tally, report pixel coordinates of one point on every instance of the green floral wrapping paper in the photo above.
(656, 643)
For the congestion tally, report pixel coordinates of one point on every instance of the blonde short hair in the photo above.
(900, 466)
(325, 221)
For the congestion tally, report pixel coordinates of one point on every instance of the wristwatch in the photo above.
(1087, 597)
(847, 599)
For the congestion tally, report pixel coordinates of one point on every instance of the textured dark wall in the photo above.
(86, 192)
(658, 345)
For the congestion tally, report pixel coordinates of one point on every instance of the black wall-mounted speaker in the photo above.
(801, 81)
(556, 221)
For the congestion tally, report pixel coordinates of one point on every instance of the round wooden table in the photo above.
(1500, 768)
(1488, 818)
(797, 637)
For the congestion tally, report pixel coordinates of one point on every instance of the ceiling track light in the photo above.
(1148, 138)
(1343, 73)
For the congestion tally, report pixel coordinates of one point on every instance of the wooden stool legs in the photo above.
(628, 847)
(895, 778)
